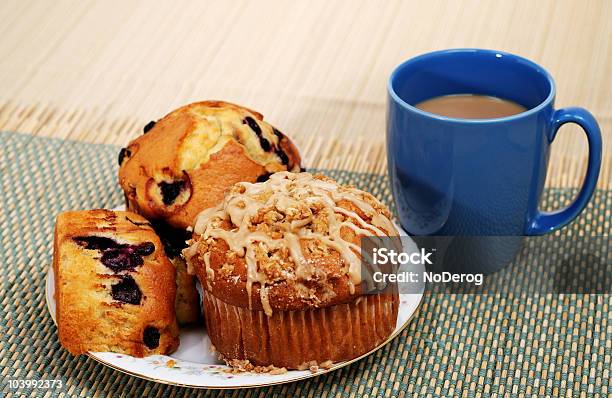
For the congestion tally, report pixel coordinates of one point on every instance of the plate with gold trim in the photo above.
(195, 365)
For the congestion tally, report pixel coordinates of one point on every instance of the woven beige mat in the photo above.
(320, 149)
(469, 345)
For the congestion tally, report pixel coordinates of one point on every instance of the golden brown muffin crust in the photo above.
(113, 305)
(300, 339)
(295, 234)
(190, 158)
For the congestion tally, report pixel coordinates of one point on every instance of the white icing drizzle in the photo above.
(210, 273)
(295, 195)
(188, 253)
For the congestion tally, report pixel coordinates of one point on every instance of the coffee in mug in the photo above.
(471, 106)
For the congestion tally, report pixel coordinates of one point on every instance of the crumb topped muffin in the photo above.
(280, 265)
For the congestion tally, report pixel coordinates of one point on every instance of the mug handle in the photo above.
(544, 222)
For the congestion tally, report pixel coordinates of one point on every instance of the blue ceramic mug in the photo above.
(475, 177)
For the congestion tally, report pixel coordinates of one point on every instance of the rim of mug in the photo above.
(528, 112)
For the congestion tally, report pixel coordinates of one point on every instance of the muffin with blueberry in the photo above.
(187, 161)
(280, 266)
(114, 286)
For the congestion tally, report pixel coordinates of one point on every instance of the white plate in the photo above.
(193, 364)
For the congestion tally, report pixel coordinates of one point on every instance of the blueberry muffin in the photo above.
(114, 286)
(186, 162)
(280, 265)
(187, 303)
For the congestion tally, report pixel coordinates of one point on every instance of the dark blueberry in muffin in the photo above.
(283, 156)
(126, 291)
(264, 177)
(265, 144)
(146, 248)
(148, 127)
(252, 124)
(174, 240)
(121, 259)
(171, 190)
(150, 337)
(123, 153)
(302, 169)
(277, 133)
(96, 242)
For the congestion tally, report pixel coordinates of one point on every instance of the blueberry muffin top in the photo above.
(189, 159)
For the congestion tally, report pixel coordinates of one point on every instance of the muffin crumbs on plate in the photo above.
(244, 366)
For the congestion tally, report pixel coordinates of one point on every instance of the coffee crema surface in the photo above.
(471, 106)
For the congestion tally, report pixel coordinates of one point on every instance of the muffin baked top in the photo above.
(290, 243)
(187, 161)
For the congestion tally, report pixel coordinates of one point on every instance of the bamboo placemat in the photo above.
(97, 71)
(458, 345)
(320, 150)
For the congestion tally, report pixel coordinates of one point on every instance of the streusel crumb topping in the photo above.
(281, 225)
